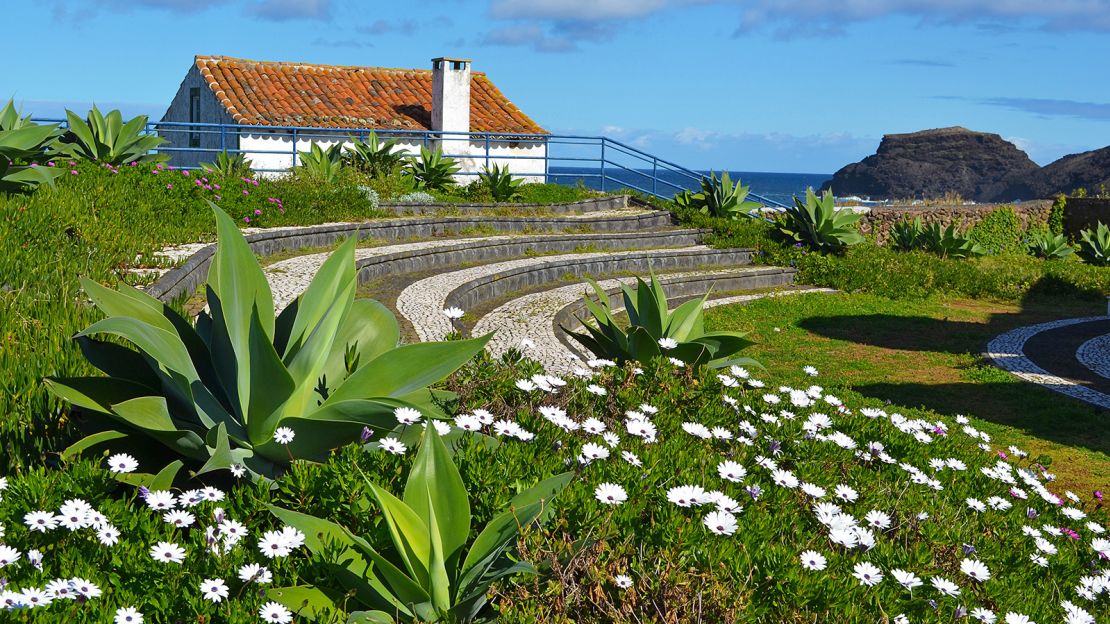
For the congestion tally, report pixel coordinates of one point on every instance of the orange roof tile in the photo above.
(333, 96)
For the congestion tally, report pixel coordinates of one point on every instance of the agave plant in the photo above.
(374, 157)
(432, 171)
(654, 330)
(24, 146)
(817, 223)
(229, 165)
(1048, 246)
(907, 235)
(719, 198)
(214, 392)
(107, 139)
(1094, 245)
(322, 164)
(949, 242)
(501, 183)
(431, 574)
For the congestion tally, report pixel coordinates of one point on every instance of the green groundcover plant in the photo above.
(227, 389)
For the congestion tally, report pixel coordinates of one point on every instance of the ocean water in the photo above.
(780, 187)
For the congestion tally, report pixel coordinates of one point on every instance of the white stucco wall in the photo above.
(451, 95)
(523, 158)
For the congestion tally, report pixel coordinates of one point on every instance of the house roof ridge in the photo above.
(234, 59)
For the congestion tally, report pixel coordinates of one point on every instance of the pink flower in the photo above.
(257, 212)
(1098, 495)
(247, 219)
(215, 186)
(73, 163)
(185, 172)
(134, 163)
(50, 164)
(246, 192)
(73, 172)
(1002, 455)
(218, 198)
(169, 186)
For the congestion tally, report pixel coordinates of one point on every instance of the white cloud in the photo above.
(574, 9)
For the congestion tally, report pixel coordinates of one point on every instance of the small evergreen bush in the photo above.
(999, 232)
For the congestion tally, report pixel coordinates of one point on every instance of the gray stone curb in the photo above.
(185, 278)
(500, 283)
(1095, 355)
(616, 202)
(1007, 351)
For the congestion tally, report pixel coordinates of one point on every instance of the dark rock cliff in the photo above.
(1088, 170)
(930, 163)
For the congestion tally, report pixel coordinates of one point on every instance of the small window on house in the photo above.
(456, 65)
(194, 116)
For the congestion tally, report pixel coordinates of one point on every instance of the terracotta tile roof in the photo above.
(332, 96)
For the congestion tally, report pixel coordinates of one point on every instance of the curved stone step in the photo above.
(422, 302)
(611, 203)
(185, 278)
(539, 317)
(289, 278)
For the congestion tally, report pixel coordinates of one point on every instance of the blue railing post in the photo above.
(655, 176)
(603, 164)
(487, 151)
(223, 138)
(294, 147)
(546, 160)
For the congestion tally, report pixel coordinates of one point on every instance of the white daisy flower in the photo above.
(167, 552)
(846, 493)
(8, 555)
(453, 313)
(868, 574)
(986, 616)
(809, 370)
(813, 490)
(128, 615)
(591, 452)
(179, 518)
(720, 522)
(122, 463)
(274, 613)
(593, 425)
(945, 586)
(108, 535)
(283, 435)
(214, 590)
(631, 458)
(41, 521)
(1017, 618)
(907, 579)
(596, 389)
(975, 569)
(610, 494)
(393, 445)
(686, 495)
(622, 581)
(255, 573)
(877, 519)
(812, 560)
(667, 343)
(731, 471)
(406, 415)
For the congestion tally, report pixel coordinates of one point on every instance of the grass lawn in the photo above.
(926, 354)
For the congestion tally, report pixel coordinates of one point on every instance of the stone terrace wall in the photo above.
(1082, 213)
(880, 218)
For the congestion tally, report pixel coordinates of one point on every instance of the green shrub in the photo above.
(1056, 215)
(1094, 245)
(323, 165)
(229, 165)
(818, 224)
(719, 198)
(432, 171)
(653, 330)
(439, 578)
(500, 183)
(107, 140)
(948, 242)
(219, 391)
(907, 235)
(999, 232)
(1044, 244)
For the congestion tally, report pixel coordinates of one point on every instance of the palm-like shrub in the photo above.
(818, 223)
(1046, 245)
(654, 330)
(948, 242)
(1094, 245)
(907, 235)
(321, 164)
(229, 165)
(24, 146)
(214, 392)
(500, 183)
(432, 171)
(107, 139)
(425, 576)
(719, 198)
(374, 157)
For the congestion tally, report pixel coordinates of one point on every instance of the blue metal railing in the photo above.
(595, 161)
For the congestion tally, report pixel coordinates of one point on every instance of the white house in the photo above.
(253, 106)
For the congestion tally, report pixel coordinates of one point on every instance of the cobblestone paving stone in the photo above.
(532, 317)
(1095, 355)
(1007, 351)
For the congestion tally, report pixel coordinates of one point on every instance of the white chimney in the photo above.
(451, 94)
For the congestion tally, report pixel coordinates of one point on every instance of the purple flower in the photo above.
(143, 492)
(73, 172)
(185, 172)
(968, 550)
(246, 192)
(247, 219)
(754, 491)
(257, 212)
(169, 186)
(1098, 495)
(1031, 513)
(366, 434)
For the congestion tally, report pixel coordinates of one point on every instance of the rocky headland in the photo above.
(978, 166)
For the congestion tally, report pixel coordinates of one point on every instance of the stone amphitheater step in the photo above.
(184, 279)
(539, 317)
(606, 204)
(422, 302)
(288, 278)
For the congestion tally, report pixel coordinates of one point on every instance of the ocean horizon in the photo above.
(780, 187)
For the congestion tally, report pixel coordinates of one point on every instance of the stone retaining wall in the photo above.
(879, 219)
(613, 202)
(493, 286)
(185, 279)
(1081, 213)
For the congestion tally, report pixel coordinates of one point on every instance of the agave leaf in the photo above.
(163, 346)
(221, 458)
(439, 585)
(407, 369)
(307, 601)
(96, 394)
(91, 441)
(272, 382)
(409, 533)
(150, 415)
(371, 328)
(435, 491)
(370, 617)
(687, 320)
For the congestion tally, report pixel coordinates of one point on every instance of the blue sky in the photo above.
(757, 85)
